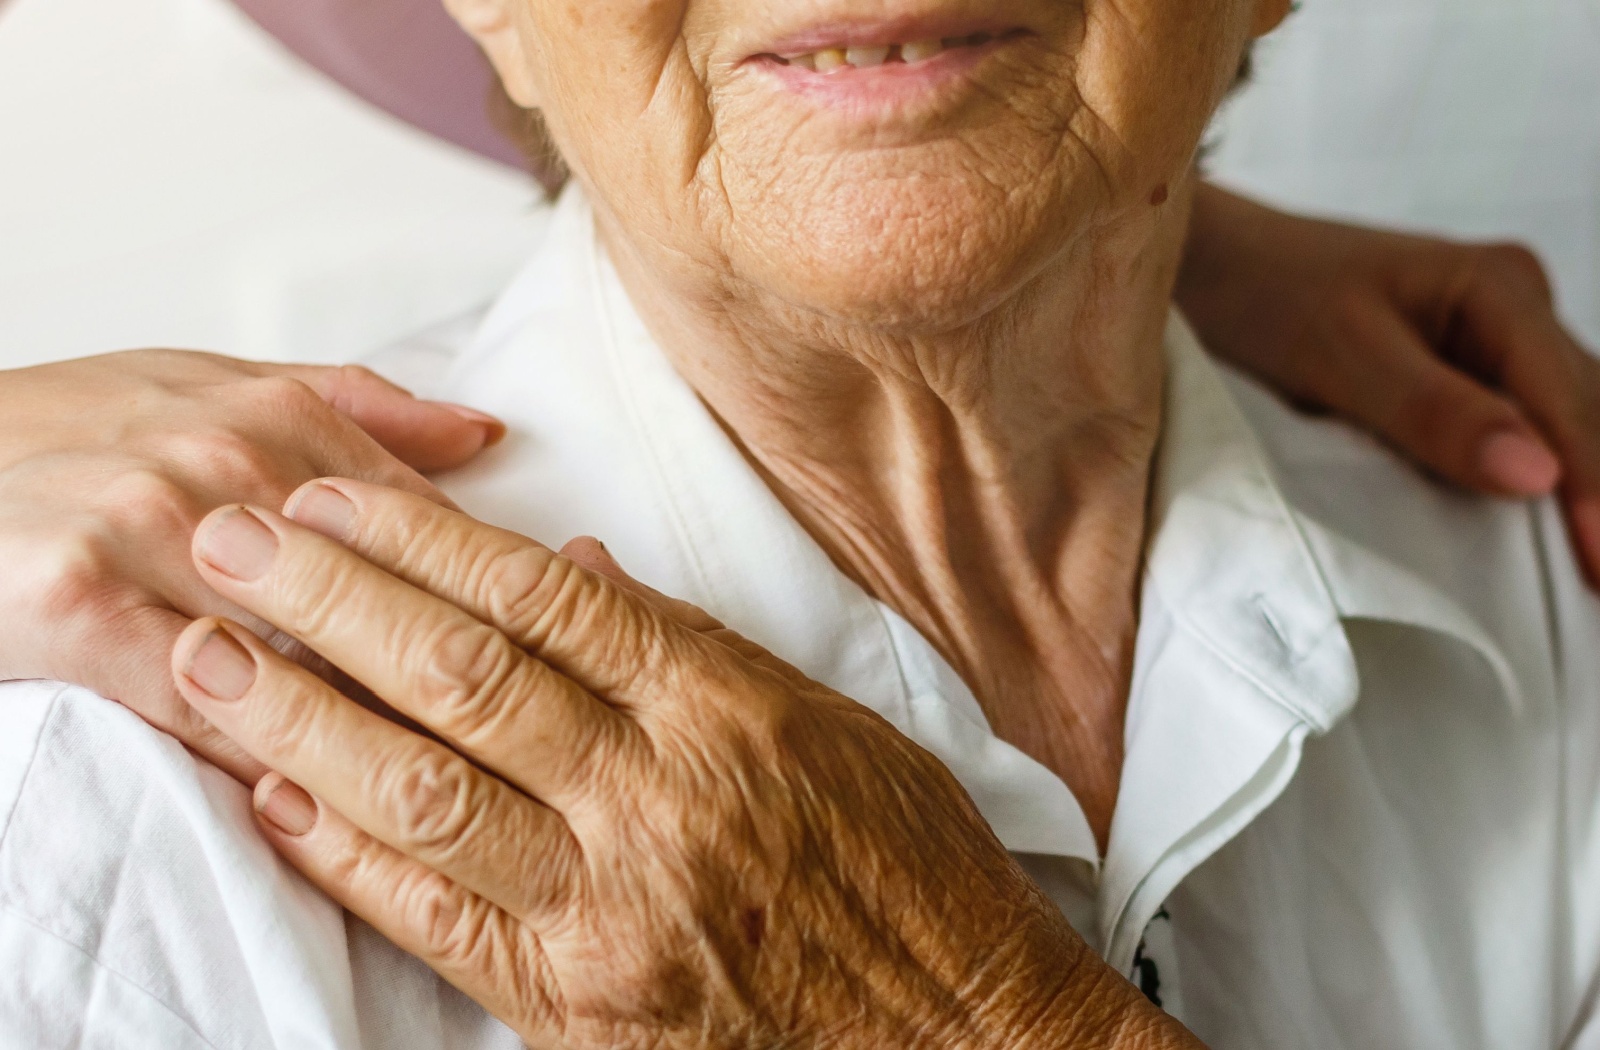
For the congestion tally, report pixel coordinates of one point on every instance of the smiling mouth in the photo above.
(833, 60)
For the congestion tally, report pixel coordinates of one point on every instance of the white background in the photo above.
(1475, 117)
(168, 176)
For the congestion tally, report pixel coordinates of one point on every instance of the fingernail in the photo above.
(1519, 464)
(493, 429)
(239, 545)
(325, 510)
(287, 807)
(221, 667)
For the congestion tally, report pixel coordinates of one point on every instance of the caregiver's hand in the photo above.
(1452, 352)
(108, 463)
(634, 828)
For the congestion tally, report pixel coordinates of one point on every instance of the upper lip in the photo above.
(858, 32)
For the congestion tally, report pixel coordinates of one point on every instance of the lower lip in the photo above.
(890, 85)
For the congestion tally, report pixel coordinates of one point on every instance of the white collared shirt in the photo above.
(1360, 805)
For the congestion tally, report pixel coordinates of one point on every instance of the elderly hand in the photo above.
(1452, 352)
(629, 827)
(108, 463)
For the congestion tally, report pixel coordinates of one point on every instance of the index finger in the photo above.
(450, 671)
(1536, 360)
(618, 645)
(425, 435)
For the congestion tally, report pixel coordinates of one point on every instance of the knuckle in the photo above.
(280, 725)
(284, 397)
(346, 383)
(435, 805)
(163, 357)
(142, 498)
(353, 859)
(220, 458)
(770, 715)
(1350, 306)
(1348, 290)
(356, 375)
(459, 932)
(1430, 408)
(1514, 255)
(75, 578)
(466, 669)
(521, 587)
(304, 592)
(1515, 264)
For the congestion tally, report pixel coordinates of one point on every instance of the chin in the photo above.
(909, 250)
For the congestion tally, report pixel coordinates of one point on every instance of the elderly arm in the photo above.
(632, 828)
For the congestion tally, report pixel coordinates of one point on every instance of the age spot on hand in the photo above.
(754, 922)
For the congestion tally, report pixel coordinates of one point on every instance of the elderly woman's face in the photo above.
(903, 162)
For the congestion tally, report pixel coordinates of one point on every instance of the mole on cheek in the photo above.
(1160, 196)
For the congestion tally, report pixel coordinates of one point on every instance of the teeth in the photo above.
(835, 58)
(866, 57)
(830, 60)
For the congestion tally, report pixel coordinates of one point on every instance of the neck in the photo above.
(988, 481)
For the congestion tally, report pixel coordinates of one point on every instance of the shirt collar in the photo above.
(1240, 638)
(607, 439)
(1259, 576)
(1229, 555)
(1242, 649)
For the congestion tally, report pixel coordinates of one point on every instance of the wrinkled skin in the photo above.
(729, 190)
(1431, 345)
(763, 787)
(94, 522)
(929, 302)
(106, 466)
(635, 829)
(628, 828)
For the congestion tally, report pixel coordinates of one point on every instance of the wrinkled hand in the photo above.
(630, 827)
(1452, 352)
(107, 465)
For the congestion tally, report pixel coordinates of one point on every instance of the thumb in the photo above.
(426, 436)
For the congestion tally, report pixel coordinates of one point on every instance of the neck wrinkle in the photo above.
(990, 484)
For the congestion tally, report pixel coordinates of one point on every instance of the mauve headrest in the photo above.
(405, 56)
